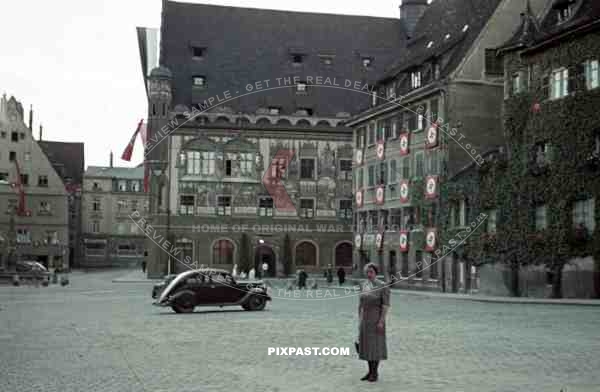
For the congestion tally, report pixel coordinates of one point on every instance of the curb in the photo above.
(502, 300)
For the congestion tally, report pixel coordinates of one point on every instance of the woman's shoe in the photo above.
(372, 378)
(366, 377)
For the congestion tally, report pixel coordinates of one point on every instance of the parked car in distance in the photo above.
(211, 287)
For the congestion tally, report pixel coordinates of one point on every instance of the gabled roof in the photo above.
(586, 12)
(441, 19)
(245, 45)
(66, 158)
(123, 173)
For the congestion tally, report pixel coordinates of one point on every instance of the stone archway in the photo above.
(265, 254)
(343, 255)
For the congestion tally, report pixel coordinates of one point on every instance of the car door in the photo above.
(224, 291)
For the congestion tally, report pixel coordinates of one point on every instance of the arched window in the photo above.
(222, 252)
(343, 255)
(306, 254)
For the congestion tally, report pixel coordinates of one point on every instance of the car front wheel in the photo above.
(255, 302)
(184, 304)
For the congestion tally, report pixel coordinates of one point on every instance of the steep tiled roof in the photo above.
(66, 158)
(245, 45)
(443, 24)
(585, 12)
(125, 173)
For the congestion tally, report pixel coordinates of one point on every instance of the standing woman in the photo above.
(374, 302)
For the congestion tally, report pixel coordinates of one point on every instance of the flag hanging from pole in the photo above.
(144, 137)
(126, 156)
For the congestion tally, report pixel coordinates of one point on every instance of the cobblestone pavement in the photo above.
(95, 335)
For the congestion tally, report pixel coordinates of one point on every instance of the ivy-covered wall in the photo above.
(567, 127)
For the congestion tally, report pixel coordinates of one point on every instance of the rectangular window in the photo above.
(3, 178)
(14, 136)
(208, 163)
(371, 134)
(420, 121)
(371, 175)
(307, 208)
(247, 163)
(265, 206)
(23, 236)
(134, 205)
(122, 205)
(228, 167)
(135, 186)
(540, 218)
(583, 214)
(360, 181)
(432, 167)
(345, 169)
(393, 176)
(301, 87)
(462, 213)
(186, 204)
(406, 168)
(12, 156)
(560, 83)
(297, 59)
(223, 205)
(345, 210)
(45, 208)
(95, 227)
(491, 222)
(25, 179)
(419, 171)
(493, 63)
(415, 79)
(96, 205)
(192, 164)
(592, 74)
(51, 237)
(198, 52)
(122, 186)
(382, 173)
(380, 131)
(387, 126)
(307, 168)
(543, 154)
(516, 83)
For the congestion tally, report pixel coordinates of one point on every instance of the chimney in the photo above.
(410, 13)
(111, 159)
(30, 118)
(41, 131)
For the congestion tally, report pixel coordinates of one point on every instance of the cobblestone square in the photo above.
(96, 335)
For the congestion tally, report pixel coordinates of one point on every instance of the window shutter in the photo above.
(574, 76)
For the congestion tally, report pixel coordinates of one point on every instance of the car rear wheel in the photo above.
(255, 302)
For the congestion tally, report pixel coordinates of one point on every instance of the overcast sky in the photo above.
(77, 63)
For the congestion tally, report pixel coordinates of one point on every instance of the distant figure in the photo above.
(302, 276)
(144, 266)
(234, 271)
(251, 274)
(242, 275)
(341, 275)
(329, 274)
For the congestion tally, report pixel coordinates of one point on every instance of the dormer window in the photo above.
(464, 30)
(304, 112)
(366, 62)
(415, 79)
(430, 44)
(301, 87)
(517, 83)
(564, 9)
(326, 60)
(447, 37)
(374, 98)
(198, 52)
(391, 92)
(199, 81)
(274, 110)
(297, 59)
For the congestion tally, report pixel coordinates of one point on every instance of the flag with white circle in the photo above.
(404, 241)
(404, 139)
(404, 191)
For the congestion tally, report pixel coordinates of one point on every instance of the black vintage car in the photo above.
(209, 287)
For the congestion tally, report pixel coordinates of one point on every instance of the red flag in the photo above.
(126, 156)
(143, 132)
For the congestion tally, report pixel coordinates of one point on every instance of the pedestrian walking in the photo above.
(341, 275)
(144, 266)
(374, 302)
(302, 276)
(329, 274)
